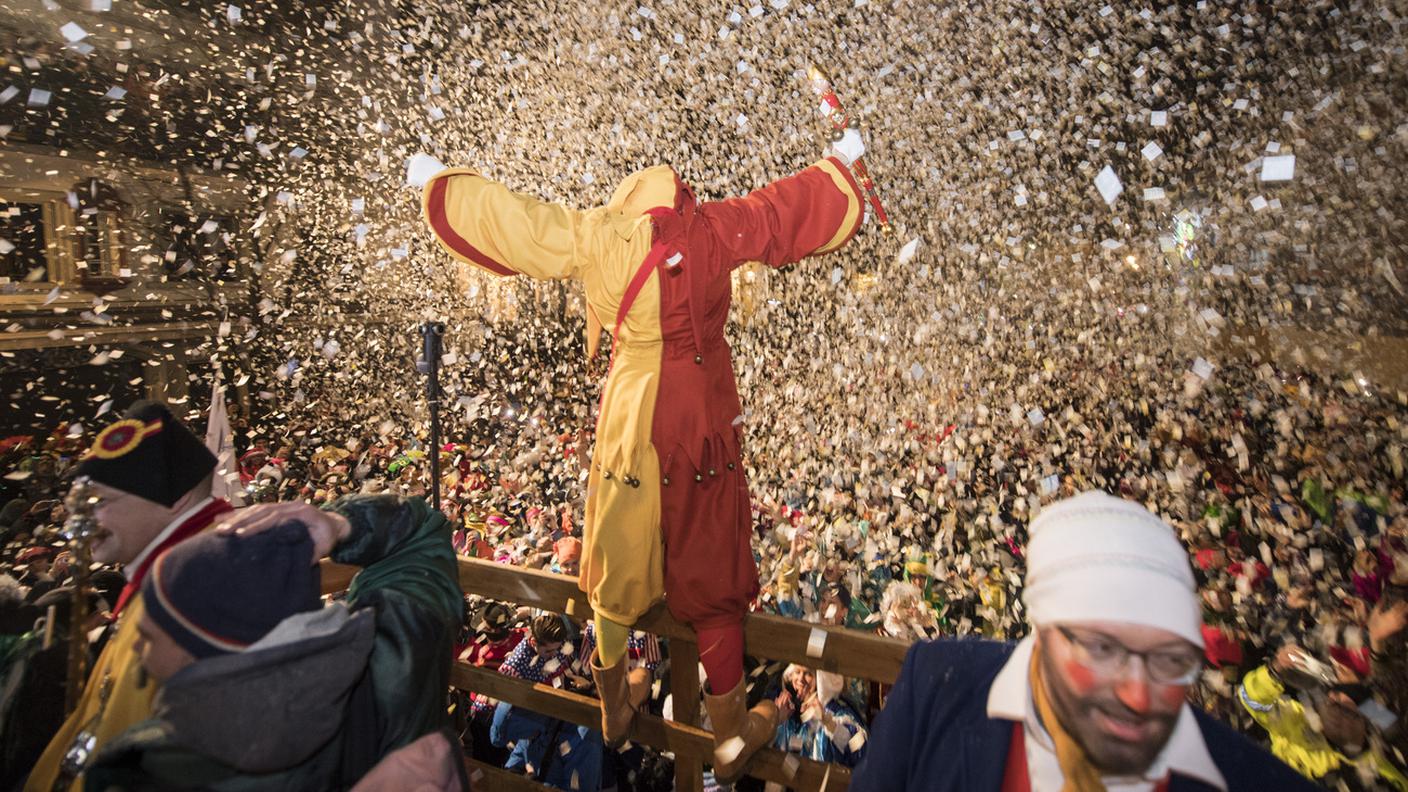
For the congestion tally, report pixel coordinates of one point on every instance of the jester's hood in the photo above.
(653, 188)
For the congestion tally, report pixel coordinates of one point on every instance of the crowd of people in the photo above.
(1284, 488)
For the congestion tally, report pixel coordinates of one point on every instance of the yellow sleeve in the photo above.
(788, 579)
(482, 222)
(1259, 693)
(1390, 773)
(128, 701)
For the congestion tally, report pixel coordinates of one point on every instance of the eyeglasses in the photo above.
(1106, 655)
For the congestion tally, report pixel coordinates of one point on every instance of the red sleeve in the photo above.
(815, 211)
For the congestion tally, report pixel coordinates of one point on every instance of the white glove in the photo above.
(421, 168)
(849, 148)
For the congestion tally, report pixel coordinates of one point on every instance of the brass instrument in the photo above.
(79, 529)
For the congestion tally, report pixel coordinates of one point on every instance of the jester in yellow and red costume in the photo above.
(668, 511)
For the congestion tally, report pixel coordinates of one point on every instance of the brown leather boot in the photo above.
(622, 695)
(738, 733)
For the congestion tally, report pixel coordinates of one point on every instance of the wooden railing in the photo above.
(846, 652)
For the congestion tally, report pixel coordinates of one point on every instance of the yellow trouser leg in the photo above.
(622, 690)
(610, 641)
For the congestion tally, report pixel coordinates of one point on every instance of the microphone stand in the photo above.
(431, 334)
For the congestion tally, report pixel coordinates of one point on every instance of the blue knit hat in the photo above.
(217, 594)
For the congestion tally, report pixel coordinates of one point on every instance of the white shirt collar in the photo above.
(1010, 698)
(131, 569)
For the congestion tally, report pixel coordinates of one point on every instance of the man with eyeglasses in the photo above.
(1093, 700)
(150, 479)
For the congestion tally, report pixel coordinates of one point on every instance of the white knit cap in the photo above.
(1099, 558)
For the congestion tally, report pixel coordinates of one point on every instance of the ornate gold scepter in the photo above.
(79, 529)
(833, 111)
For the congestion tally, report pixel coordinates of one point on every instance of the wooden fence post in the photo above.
(684, 690)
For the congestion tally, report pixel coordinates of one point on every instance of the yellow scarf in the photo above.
(1079, 773)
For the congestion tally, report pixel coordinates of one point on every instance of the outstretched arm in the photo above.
(812, 212)
(482, 222)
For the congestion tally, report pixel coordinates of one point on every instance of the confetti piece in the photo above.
(1282, 168)
(790, 765)
(728, 750)
(909, 250)
(1108, 184)
(816, 642)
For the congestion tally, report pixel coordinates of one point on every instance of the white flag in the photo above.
(220, 439)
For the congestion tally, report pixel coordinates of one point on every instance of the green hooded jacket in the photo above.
(320, 700)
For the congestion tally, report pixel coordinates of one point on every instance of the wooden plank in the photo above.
(487, 777)
(847, 652)
(571, 707)
(528, 587)
(684, 689)
(336, 577)
(117, 334)
(683, 740)
(684, 681)
(689, 774)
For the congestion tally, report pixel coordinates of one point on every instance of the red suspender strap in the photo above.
(651, 263)
(1015, 777)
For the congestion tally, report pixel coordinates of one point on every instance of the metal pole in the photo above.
(431, 334)
(79, 529)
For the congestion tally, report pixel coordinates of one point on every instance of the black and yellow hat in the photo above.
(150, 454)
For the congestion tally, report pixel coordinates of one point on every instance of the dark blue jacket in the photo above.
(935, 734)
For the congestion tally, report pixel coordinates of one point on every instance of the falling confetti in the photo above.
(889, 389)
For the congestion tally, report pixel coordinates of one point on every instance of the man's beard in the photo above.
(1114, 756)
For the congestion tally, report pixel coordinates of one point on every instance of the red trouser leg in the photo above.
(721, 652)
